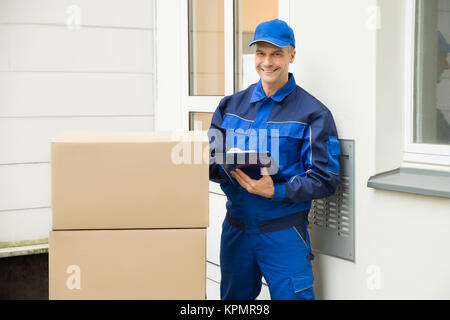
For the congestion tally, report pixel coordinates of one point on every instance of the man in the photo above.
(264, 232)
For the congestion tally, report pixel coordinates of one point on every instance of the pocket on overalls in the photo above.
(237, 131)
(285, 142)
(303, 282)
(303, 287)
(301, 230)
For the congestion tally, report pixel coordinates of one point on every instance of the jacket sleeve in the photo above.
(320, 155)
(217, 143)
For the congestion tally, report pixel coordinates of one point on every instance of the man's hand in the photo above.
(263, 187)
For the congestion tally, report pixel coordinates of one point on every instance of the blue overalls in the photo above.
(268, 237)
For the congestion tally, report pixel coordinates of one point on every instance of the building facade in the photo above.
(165, 64)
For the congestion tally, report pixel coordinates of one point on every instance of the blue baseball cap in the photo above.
(443, 44)
(276, 32)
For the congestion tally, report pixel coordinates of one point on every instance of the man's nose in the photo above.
(267, 60)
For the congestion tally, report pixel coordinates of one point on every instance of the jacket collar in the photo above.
(283, 92)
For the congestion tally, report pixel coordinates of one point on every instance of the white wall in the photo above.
(358, 73)
(336, 63)
(60, 70)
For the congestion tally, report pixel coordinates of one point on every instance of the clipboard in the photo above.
(250, 162)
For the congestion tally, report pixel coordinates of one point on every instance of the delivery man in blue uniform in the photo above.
(265, 229)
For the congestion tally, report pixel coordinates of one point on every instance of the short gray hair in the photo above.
(290, 47)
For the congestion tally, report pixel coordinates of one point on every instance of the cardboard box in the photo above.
(128, 264)
(126, 180)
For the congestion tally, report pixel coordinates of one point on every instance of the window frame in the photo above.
(205, 103)
(433, 156)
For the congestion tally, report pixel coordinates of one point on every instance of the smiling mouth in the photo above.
(269, 71)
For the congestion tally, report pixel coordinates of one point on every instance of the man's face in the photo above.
(272, 62)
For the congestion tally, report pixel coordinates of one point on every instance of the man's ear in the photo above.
(292, 57)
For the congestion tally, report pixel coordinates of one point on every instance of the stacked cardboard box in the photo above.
(130, 212)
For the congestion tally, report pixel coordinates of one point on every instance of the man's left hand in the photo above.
(263, 187)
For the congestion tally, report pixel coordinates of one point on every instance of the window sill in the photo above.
(23, 250)
(412, 180)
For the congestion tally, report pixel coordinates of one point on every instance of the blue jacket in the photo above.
(300, 133)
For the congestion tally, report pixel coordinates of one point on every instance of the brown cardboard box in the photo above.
(128, 264)
(126, 180)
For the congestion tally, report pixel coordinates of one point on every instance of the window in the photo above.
(209, 48)
(428, 114)
(206, 47)
(200, 121)
(432, 103)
